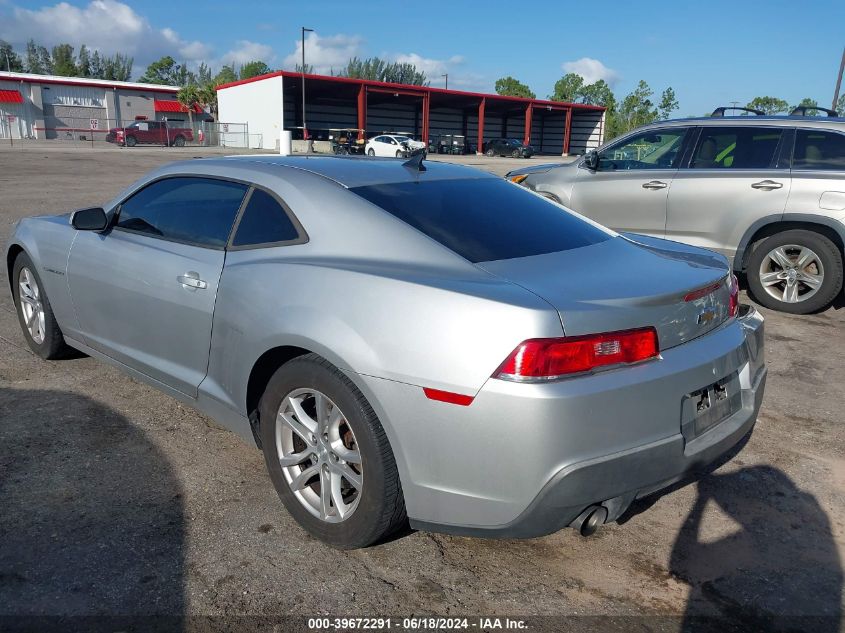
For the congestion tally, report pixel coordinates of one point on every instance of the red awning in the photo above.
(162, 105)
(10, 96)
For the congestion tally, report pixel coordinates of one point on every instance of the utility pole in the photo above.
(838, 81)
(447, 79)
(304, 126)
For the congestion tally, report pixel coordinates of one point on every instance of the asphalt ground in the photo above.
(117, 500)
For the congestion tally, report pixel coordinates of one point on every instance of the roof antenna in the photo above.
(415, 163)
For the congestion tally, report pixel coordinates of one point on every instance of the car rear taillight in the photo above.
(733, 305)
(550, 358)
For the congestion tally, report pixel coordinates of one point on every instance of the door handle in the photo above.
(191, 281)
(767, 185)
(655, 184)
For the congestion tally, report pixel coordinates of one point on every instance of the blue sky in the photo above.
(711, 53)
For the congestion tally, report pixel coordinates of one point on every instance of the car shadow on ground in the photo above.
(778, 567)
(92, 521)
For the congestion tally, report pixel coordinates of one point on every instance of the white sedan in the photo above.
(395, 146)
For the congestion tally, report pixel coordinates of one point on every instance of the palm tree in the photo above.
(189, 96)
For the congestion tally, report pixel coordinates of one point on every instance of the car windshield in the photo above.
(402, 139)
(484, 219)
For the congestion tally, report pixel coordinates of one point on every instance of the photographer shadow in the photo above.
(768, 563)
(92, 522)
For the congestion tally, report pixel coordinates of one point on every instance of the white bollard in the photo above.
(285, 143)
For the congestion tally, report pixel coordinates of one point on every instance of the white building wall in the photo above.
(259, 105)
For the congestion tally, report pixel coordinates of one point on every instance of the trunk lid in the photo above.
(628, 282)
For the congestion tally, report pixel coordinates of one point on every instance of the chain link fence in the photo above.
(100, 131)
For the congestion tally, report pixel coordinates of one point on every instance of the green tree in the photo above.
(636, 109)
(167, 71)
(9, 59)
(768, 105)
(83, 62)
(254, 69)
(668, 104)
(510, 87)
(118, 67)
(45, 61)
(378, 69)
(568, 88)
(840, 105)
(598, 93)
(64, 63)
(204, 74)
(227, 75)
(189, 96)
(208, 97)
(96, 65)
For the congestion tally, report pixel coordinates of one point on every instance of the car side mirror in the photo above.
(94, 219)
(591, 160)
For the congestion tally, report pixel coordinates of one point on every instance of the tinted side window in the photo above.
(656, 149)
(483, 219)
(819, 151)
(193, 210)
(264, 221)
(736, 148)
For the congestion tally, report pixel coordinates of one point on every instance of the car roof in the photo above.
(354, 171)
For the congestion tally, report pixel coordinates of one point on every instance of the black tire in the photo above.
(381, 507)
(179, 141)
(371, 152)
(491, 153)
(828, 254)
(398, 153)
(515, 153)
(53, 346)
(131, 141)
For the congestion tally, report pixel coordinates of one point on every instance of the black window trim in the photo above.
(301, 235)
(687, 130)
(795, 142)
(301, 239)
(774, 163)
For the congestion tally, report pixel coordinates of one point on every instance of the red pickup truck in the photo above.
(154, 132)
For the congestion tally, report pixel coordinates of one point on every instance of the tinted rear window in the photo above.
(483, 219)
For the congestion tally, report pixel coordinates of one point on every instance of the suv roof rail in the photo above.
(720, 111)
(802, 111)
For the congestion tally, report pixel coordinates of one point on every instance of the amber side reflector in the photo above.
(519, 179)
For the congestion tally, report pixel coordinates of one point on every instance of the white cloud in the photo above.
(247, 51)
(325, 53)
(433, 68)
(109, 26)
(591, 70)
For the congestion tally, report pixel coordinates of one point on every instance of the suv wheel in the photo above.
(328, 455)
(796, 271)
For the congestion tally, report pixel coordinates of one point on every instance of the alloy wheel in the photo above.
(319, 455)
(30, 305)
(791, 273)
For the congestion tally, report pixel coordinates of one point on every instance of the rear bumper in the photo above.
(525, 460)
(615, 481)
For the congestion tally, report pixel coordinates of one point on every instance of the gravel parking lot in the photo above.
(115, 499)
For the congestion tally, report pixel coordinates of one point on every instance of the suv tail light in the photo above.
(733, 305)
(549, 358)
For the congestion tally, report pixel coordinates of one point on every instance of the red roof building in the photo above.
(273, 102)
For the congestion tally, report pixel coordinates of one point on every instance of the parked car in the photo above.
(508, 147)
(449, 144)
(393, 146)
(391, 338)
(150, 132)
(767, 192)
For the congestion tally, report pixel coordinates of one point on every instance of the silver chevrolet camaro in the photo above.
(406, 341)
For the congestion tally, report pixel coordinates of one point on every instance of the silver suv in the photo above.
(767, 192)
